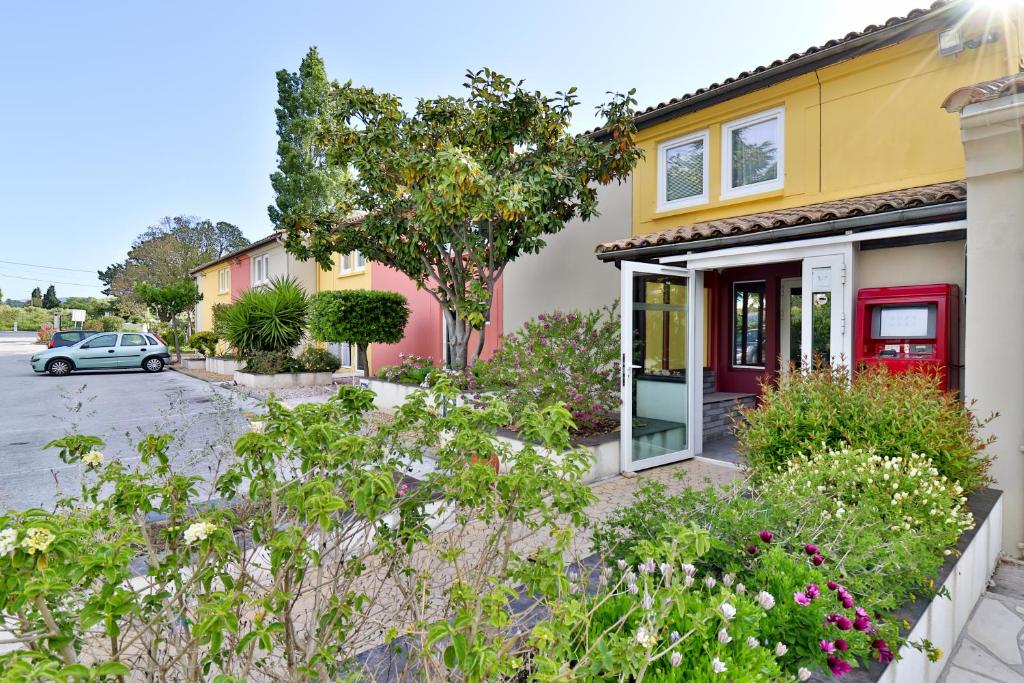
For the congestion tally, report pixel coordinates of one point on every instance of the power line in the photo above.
(50, 282)
(34, 265)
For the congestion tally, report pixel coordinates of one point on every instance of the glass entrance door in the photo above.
(657, 357)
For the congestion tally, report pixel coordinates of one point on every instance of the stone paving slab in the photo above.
(991, 648)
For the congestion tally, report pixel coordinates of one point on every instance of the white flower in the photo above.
(621, 564)
(689, 569)
(804, 673)
(728, 579)
(256, 426)
(752, 642)
(710, 582)
(718, 666)
(666, 569)
(740, 588)
(676, 659)
(780, 649)
(199, 531)
(766, 600)
(647, 567)
(724, 637)
(674, 637)
(643, 637)
(648, 602)
(728, 611)
(8, 541)
(687, 581)
(92, 459)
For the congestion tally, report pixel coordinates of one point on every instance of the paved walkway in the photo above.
(991, 647)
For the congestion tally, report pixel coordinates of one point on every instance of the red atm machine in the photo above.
(909, 329)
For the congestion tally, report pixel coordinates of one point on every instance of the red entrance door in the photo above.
(745, 320)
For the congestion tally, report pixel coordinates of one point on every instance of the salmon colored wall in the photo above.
(241, 276)
(424, 333)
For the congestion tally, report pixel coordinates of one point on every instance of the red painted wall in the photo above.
(241, 276)
(424, 333)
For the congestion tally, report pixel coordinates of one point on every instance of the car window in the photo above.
(133, 340)
(152, 340)
(100, 341)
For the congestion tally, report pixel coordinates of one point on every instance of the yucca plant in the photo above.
(271, 318)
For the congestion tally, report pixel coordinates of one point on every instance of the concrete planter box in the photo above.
(193, 363)
(391, 394)
(223, 366)
(284, 380)
(604, 448)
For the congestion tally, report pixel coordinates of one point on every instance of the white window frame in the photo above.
(257, 277)
(223, 280)
(356, 263)
(728, 191)
(663, 148)
(732, 325)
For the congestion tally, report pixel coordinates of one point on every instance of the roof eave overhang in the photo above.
(913, 216)
(821, 58)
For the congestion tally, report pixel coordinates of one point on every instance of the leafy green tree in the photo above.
(360, 317)
(50, 299)
(169, 301)
(37, 297)
(453, 191)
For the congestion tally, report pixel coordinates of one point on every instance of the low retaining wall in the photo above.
(943, 619)
(223, 366)
(284, 380)
(193, 363)
(605, 449)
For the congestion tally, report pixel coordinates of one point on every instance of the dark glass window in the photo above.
(101, 341)
(748, 328)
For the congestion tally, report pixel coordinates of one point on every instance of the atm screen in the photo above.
(903, 321)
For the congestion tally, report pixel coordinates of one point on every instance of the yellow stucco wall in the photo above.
(869, 124)
(209, 286)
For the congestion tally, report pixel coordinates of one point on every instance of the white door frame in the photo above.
(694, 364)
(788, 284)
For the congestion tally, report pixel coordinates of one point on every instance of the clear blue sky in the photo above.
(115, 114)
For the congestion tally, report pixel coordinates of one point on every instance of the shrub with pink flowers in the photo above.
(570, 358)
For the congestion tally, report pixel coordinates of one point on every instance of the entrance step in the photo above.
(719, 409)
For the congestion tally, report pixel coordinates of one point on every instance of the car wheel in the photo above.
(59, 367)
(153, 365)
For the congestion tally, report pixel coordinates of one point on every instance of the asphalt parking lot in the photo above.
(118, 406)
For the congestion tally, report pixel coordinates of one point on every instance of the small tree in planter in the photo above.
(170, 301)
(268, 321)
(360, 317)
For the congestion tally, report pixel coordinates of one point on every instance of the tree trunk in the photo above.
(458, 340)
(177, 344)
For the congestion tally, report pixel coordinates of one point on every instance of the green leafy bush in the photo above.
(412, 370)
(358, 316)
(877, 527)
(271, 363)
(111, 323)
(204, 342)
(889, 414)
(570, 358)
(271, 318)
(315, 359)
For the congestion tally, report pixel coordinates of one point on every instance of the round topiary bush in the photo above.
(358, 316)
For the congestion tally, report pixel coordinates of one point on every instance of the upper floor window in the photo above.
(351, 262)
(683, 171)
(223, 280)
(261, 269)
(752, 154)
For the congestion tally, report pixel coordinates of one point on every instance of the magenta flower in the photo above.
(766, 536)
(813, 591)
(842, 645)
(827, 647)
(883, 653)
(801, 599)
(832, 585)
(818, 560)
(752, 549)
(838, 666)
(862, 623)
(843, 623)
(811, 549)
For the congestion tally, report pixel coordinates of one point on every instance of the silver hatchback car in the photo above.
(105, 351)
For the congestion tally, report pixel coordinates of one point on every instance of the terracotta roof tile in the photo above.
(883, 202)
(984, 91)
